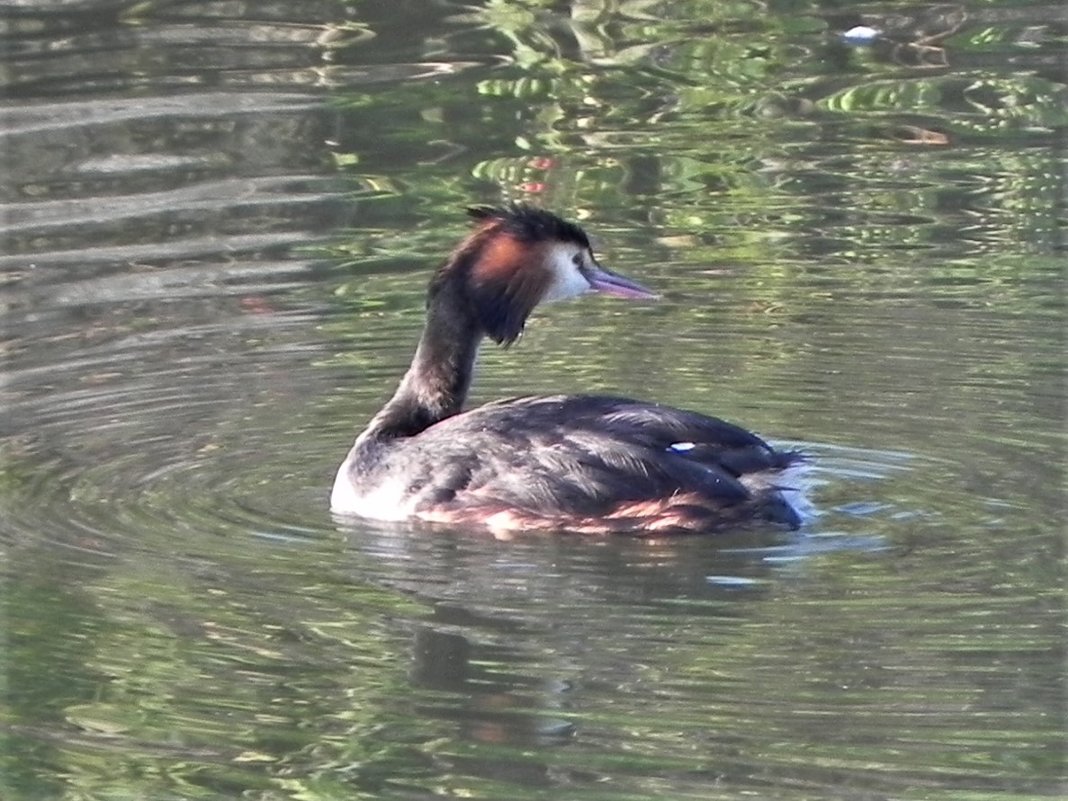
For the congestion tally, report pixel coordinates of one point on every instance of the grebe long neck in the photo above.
(436, 384)
(488, 286)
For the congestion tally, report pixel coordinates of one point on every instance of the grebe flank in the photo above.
(581, 463)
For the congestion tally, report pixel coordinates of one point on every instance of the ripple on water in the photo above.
(182, 617)
(125, 434)
(179, 430)
(179, 474)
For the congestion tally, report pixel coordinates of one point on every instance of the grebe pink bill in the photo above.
(569, 463)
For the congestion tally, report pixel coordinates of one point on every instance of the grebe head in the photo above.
(521, 256)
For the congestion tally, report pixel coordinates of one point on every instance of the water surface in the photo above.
(218, 223)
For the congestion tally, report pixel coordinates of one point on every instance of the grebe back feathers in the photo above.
(579, 463)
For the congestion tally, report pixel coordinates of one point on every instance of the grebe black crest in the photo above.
(581, 463)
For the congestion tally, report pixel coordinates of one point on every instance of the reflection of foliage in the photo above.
(713, 106)
(38, 674)
(982, 106)
(718, 134)
(207, 673)
(724, 160)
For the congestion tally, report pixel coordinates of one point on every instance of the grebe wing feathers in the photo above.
(581, 456)
(693, 437)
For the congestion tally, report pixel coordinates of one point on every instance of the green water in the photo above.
(219, 219)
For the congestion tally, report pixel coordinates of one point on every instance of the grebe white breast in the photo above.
(581, 463)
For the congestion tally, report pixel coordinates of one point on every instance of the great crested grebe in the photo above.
(581, 463)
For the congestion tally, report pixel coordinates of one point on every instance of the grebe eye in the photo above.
(577, 259)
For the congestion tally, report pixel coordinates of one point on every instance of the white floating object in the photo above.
(861, 35)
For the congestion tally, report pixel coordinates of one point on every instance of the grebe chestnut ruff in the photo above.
(582, 463)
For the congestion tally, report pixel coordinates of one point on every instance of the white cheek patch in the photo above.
(568, 281)
(681, 447)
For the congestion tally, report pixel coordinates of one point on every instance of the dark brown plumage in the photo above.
(579, 463)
